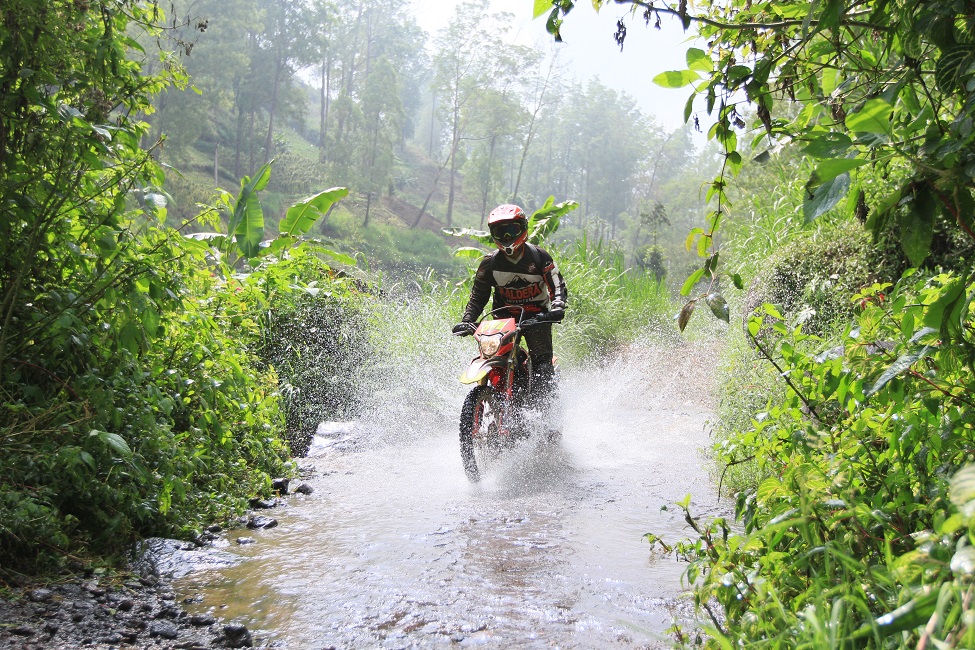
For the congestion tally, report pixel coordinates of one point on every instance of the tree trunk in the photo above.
(323, 113)
(524, 155)
(239, 144)
(433, 114)
(269, 143)
(426, 202)
(453, 166)
(251, 142)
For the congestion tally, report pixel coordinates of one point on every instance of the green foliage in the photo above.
(653, 260)
(884, 98)
(132, 403)
(313, 334)
(813, 277)
(859, 532)
(609, 306)
(390, 247)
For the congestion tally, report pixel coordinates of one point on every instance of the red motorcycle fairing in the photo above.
(503, 331)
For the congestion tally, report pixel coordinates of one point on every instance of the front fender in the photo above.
(478, 370)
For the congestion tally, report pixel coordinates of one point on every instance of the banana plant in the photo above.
(246, 238)
(543, 222)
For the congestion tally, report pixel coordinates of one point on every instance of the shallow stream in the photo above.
(396, 549)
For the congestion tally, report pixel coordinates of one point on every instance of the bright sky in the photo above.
(589, 49)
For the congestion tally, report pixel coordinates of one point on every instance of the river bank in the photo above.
(139, 608)
(88, 611)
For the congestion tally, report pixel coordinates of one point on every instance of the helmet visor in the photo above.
(506, 233)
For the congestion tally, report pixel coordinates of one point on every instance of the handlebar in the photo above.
(554, 316)
(541, 319)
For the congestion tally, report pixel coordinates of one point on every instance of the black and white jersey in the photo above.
(532, 281)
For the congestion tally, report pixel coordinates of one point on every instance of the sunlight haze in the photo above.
(590, 51)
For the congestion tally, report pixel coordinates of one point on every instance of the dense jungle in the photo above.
(234, 237)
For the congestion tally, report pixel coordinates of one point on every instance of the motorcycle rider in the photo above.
(521, 275)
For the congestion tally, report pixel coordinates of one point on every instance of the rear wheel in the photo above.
(480, 434)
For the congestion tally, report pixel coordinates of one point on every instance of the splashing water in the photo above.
(395, 548)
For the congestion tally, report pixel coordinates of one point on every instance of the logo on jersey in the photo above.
(519, 290)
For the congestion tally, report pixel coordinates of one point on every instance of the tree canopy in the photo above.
(885, 91)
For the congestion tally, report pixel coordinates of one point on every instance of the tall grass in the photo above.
(609, 305)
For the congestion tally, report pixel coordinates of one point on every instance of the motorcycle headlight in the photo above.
(489, 344)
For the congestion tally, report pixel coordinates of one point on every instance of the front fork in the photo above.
(504, 383)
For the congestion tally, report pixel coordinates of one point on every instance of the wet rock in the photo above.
(215, 528)
(305, 489)
(204, 539)
(238, 636)
(129, 636)
(23, 630)
(192, 644)
(263, 504)
(40, 595)
(175, 559)
(202, 620)
(280, 485)
(163, 630)
(113, 639)
(243, 541)
(168, 612)
(94, 589)
(260, 521)
(125, 605)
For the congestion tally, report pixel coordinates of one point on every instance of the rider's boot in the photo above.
(544, 399)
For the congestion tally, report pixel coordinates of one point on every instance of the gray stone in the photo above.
(280, 485)
(163, 630)
(41, 595)
(260, 521)
(238, 636)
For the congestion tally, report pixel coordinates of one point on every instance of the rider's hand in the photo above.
(555, 315)
(464, 329)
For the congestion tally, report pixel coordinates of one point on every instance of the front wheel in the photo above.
(480, 430)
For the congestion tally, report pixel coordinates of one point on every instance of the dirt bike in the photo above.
(491, 419)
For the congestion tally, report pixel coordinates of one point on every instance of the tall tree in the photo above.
(287, 45)
(540, 84)
(464, 62)
(382, 111)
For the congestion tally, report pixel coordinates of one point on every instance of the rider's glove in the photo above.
(555, 315)
(464, 329)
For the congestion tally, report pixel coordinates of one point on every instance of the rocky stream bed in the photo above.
(138, 609)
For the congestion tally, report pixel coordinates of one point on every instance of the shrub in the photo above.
(860, 533)
(812, 278)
